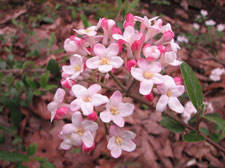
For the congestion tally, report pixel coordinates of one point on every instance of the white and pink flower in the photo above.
(116, 110)
(169, 92)
(106, 58)
(86, 99)
(120, 140)
(89, 31)
(78, 132)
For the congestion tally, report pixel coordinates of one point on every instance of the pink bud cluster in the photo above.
(96, 51)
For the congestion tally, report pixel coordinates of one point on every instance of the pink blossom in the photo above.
(170, 58)
(189, 109)
(169, 92)
(93, 116)
(87, 98)
(204, 12)
(216, 74)
(147, 74)
(131, 63)
(149, 97)
(151, 52)
(76, 66)
(178, 80)
(120, 140)
(106, 58)
(89, 31)
(78, 132)
(116, 110)
(86, 149)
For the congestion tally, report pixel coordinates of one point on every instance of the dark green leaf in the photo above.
(84, 20)
(53, 67)
(44, 79)
(119, 3)
(13, 157)
(215, 118)
(133, 5)
(31, 83)
(193, 136)
(51, 40)
(204, 131)
(15, 112)
(216, 137)
(192, 85)
(32, 149)
(171, 124)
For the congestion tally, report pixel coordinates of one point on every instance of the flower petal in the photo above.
(75, 105)
(65, 146)
(99, 50)
(94, 89)
(68, 69)
(77, 119)
(79, 91)
(177, 90)
(127, 135)
(87, 108)
(114, 130)
(76, 139)
(98, 99)
(116, 62)
(143, 64)
(111, 143)
(88, 139)
(68, 129)
(116, 98)
(128, 32)
(52, 106)
(146, 87)
(93, 62)
(119, 121)
(137, 73)
(155, 67)
(105, 68)
(125, 109)
(118, 37)
(112, 50)
(105, 117)
(175, 105)
(116, 151)
(128, 145)
(89, 125)
(161, 104)
(59, 95)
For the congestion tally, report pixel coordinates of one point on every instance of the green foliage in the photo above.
(32, 149)
(13, 156)
(215, 118)
(193, 86)
(85, 20)
(193, 136)
(160, 2)
(171, 124)
(53, 67)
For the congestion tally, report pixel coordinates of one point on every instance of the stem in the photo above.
(189, 127)
(106, 129)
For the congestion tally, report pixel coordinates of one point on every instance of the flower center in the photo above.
(169, 93)
(80, 131)
(87, 30)
(114, 111)
(87, 99)
(148, 75)
(77, 68)
(118, 140)
(104, 61)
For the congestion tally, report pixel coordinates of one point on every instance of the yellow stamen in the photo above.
(148, 75)
(114, 111)
(119, 140)
(80, 131)
(87, 99)
(169, 93)
(77, 68)
(104, 61)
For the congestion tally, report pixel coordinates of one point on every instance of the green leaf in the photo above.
(48, 20)
(32, 149)
(2, 64)
(13, 157)
(119, 3)
(133, 5)
(50, 87)
(192, 85)
(31, 83)
(215, 118)
(171, 124)
(15, 112)
(84, 20)
(37, 92)
(51, 40)
(53, 67)
(44, 79)
(204, 131)
(193, 136)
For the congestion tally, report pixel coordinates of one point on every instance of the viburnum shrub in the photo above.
(100, 52)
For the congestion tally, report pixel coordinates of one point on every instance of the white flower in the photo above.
(189, 109)
(120, 140)
(151, 52)
(147, 74)
(116, 110)
(76, 66)
(169, 92)
(170, 58)
(204, 12)
(87, 98)
(78, 132)
(216, 73)
(57, 102)
(172, 46)
(220, 27)
(89, 31)
(196, 26)
(182, 39)
(210, 22)
(105, 59)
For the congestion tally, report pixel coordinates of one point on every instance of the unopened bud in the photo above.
(131, 63)
(86, 149)
(61, 112)
(93, 116)
(149, 97)
(178, 80)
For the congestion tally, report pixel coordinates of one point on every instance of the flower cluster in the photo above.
(97, 52)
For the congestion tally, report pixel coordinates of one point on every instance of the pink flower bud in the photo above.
(93, 116)
(136, 45)
(168, 35)
(77, 40)
(149, 97)
(86, 149)
(161, 48)
(127, 23)
(131, 63)
(65, 83)
(130, 17)
(65, 75)
(116, 30)
(178, 80)
(104, 24)
(61, 112)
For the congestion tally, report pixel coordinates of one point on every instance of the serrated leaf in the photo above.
(13, 157)
(215, 118)
(53, 67)
(193, 136)
(192, 85)
(32, 149)
(171, 124)
(44, 79)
